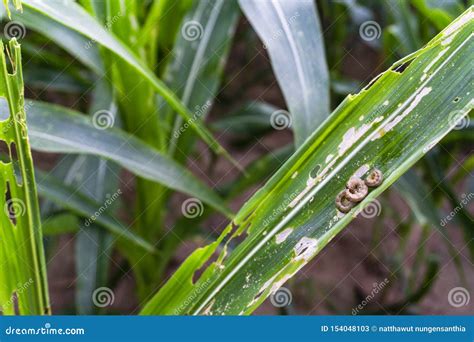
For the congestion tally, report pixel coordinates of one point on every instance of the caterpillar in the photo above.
(357, 189)
(343, 204)
(374, 178)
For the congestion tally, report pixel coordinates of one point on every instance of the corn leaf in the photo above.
(199, 57)
(59, 130)
(73, 16)
(23, 282)
(75, 200)
(71, 41)
(291, 32)
(389, 125)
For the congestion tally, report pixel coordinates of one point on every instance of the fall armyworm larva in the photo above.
(374, 179)
(343, 204)
(356, 189)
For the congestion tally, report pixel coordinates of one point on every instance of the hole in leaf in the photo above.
(5, 111)
(371, 83)
(198, 273)
(9, 207)
(16, 166)
(402, 67)
(315, 171)
(456, 99)
(300, 252)
(9, 61)
(4, 152)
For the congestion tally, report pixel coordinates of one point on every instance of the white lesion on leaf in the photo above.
(423, 92)
(432, 63)
(281, 237)
(452, 30)
(305, 248)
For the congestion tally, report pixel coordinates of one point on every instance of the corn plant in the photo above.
(151, 72)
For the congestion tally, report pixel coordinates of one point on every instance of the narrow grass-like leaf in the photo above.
(291, 32)
(195, 70)
(439, 12)
(23, 268)
(71, 198)
(57, 129)
(389, 125)
(73, 16)
(71, 41)
(251, 119)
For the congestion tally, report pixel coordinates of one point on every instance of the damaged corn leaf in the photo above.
(23, 283)
(388, 126)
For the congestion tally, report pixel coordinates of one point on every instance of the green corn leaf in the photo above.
(23, 270)
(60, 224)
(95, 211)
(73, 16)
(59, 130)
(389, 125)
(199, 57)
(71, 41)
(439, 12)
(250, 120)
(291, 32)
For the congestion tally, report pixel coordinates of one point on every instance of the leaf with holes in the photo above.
(23, 283)
(388, 126)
